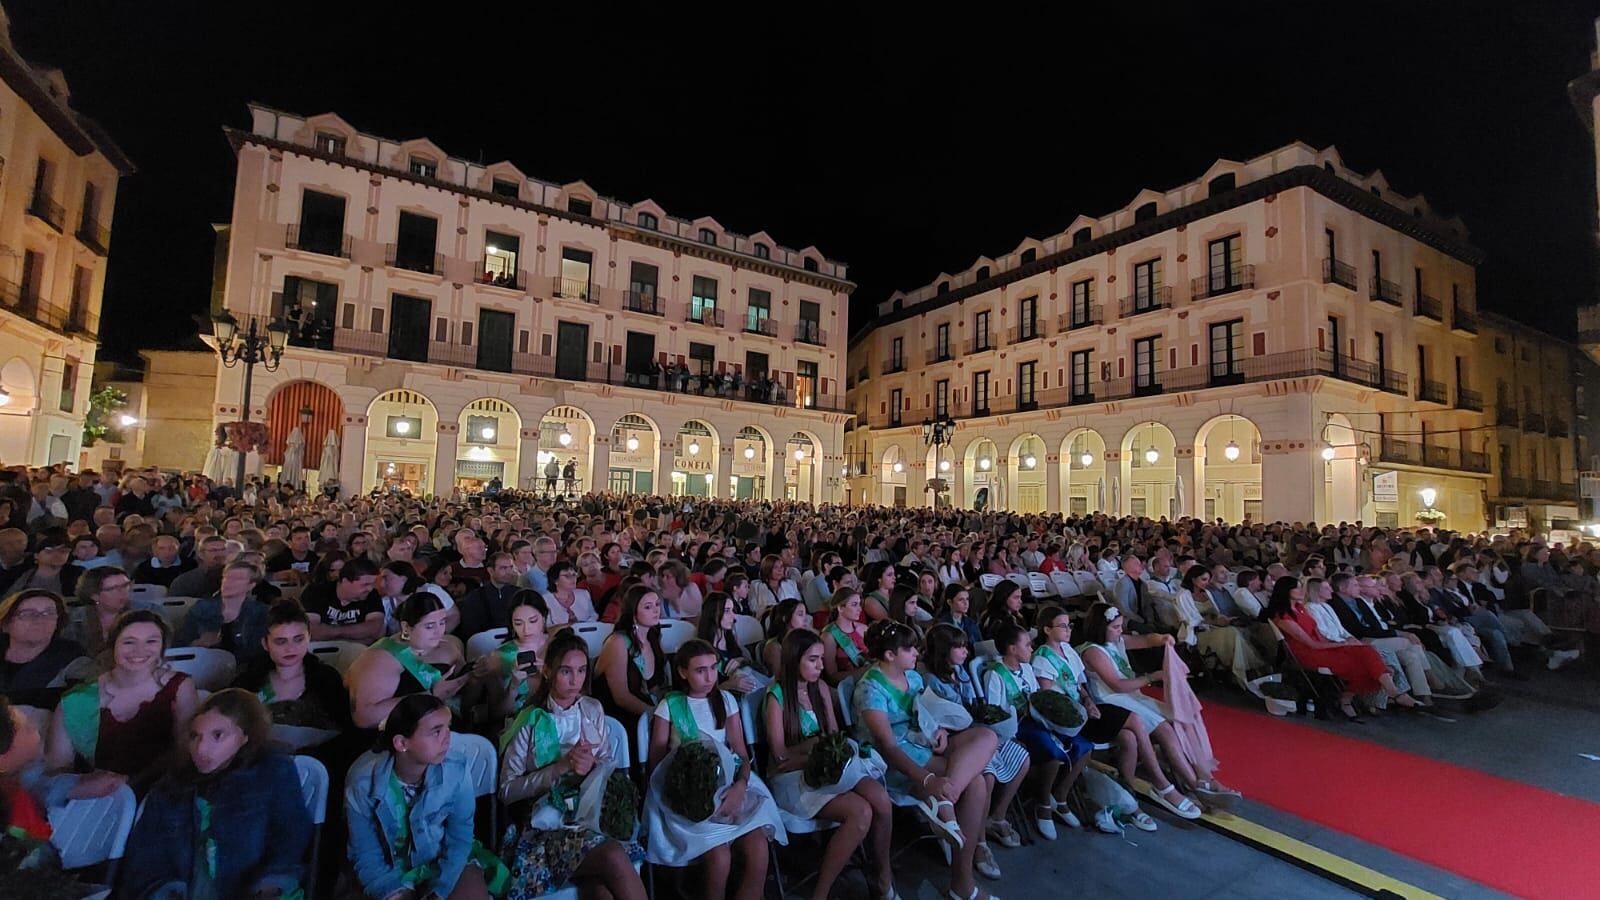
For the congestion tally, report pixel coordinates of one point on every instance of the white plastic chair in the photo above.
(594, 634)
(673, 634)
(314, 790)
(174, 609)
(1017, 579)
(39, 717)
(90, 832)
(747, 630)
(845, 690)
(1088, 582)
(1064, 584)
(483, 767)
(617, 735)
(985, 649)
(484, 642)
(988, 580)
(211, 669)
(1039, 584)
(146, 594)
(341, 655)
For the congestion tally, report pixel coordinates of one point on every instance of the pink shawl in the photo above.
(1184, 707)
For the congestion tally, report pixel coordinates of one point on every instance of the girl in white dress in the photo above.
(746, 815)
(798, 709)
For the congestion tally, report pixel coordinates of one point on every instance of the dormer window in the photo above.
(983, 273)
(763, 251)
(505, 188)
(580, 207)
(1377, 192)
(707, 236)
(1328, 167)
(330, 143)
(648, 220)
(944, 287)
(810, 264)
(1082, 236)
(1145, 213)
(1029, 255)
(424, 168)
(1221, 184)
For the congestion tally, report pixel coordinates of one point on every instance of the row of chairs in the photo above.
(674, 632)
(1065, 585)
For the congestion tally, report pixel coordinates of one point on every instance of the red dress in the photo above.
(1359, 666)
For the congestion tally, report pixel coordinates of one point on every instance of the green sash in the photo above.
(204, 877)
(845, 643)
(682, 718)
(808, 719)
(1015, 697)
(267, 694)
(1063, 670)
(882, 601)
(495, 873)
(425, 674)
(1117, 657)
(80, 711)
(546, 740)
(508, 661)
(905, 700)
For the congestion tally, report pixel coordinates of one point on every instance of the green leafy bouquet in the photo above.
(693, 777)
(988, 713)
(619, 810)
(1056, 709)
(829, 756)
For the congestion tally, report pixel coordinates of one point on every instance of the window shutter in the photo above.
(348, 316)
(377, 319)
(466, 334)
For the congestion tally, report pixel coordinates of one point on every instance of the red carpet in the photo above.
(1519, 839)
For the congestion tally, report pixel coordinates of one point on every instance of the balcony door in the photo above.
(1227, 352)
(572, 349)
(408, 327)
(1145, 377)
(495, 331)
(640, 353)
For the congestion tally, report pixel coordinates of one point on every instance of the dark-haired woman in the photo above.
(715, 627)
(418, 660)
(297, 688)
(631, 670)
(229, 821)
(512, 670)
(34, 657)
(558, 737)
(798, 710)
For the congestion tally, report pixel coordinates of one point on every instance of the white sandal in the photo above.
(1183, 809)
(950, 830)
(972, 896)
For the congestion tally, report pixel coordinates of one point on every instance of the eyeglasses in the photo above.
(34, 615)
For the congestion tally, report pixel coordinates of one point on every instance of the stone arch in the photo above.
(1149, 484)
(634, 450)
(750, 472)
(1027, 461)
(402, 442)
(894, 469)
(1085, 487)
(1227, 469)
(979, 472)
(802, 466)
(567, 435)
(697, 453)
(1343, 481)
(489, 444)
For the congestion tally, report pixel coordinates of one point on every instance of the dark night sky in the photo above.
(901, 149)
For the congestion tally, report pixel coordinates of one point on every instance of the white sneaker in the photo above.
(1046, 826)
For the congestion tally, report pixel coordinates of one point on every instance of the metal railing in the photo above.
(1081, 318)
(1027, 331)
(413, 261)
(977, 345)
(1556, 428)
(1138, 303)
(708, 316)
(1463, 319)
(1545, 489)
(573, 289)
(46, 210)
(810, 333)
(1506, 415)
(1336, 272)
(1390, 450)
(1428, 308)
(891, 366)
(938, 356)
(360, 342)
(1432, 391)
(1513, 486)
(649, 303)
(94, 236)
(1469, 399)
(1223, 281)
(760, 325)
(1384, 291)
(317, 240)
(35, 308)
(511, 281)
(1532, 421)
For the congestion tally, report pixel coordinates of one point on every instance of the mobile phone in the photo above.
(527, 659)
(454, 672)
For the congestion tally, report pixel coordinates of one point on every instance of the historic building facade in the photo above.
(1283, 339)
(451, 323)
(58, 184)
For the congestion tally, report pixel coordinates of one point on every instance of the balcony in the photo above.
(94, 236)
(511, 281)
(1027, 331)
(1408, 453)
(579, 289)
(41, 207)
(1557, 428)
(1223, 281)
(939, 355)
(1080, 318)
(360, 342)
(1146, 301)
(646, 302)
(1432, 392)
(708, 316)
(1462, 319)
(1469, 400)
(1428, 308)
(763, 325)
(1382, 291)
(413, 261)
(977, 345)
(1513, 486)
(1507, 416)
(316, 240)
(35, 308)
(810, 333)
(1533, 422)
(892, 366)
(863, 375)
(1336, 272)
(1544, 489)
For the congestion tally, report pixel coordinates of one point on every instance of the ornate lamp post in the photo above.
(249, 348)
(937, 433)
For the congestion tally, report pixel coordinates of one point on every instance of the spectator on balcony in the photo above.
(569, 474)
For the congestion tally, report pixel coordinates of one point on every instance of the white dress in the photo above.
(1144, 707)
(801, 800)
(671, 839)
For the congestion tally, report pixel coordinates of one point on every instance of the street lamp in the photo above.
(939, 433)
(250, 348)
(5, 396)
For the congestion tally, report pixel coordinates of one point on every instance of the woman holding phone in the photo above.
(512, 670)
(417, 660)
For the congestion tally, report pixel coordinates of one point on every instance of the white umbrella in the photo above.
(1116, 497)
(294, 453)
(1100, 496)
(216, 462)
(1183, 506)
(329, 469)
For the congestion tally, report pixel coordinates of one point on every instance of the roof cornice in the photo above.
(80, 133)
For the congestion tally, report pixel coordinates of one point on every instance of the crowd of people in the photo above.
(774, 667)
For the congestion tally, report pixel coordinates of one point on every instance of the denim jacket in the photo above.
(441, 824)
(258, 819)
(206, 615)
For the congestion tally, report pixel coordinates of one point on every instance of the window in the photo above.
(1227, 352)
(78, 312)
(1028, 318)
(1382, 359)
(403, 427)
(576, 272)
(1026, 399)
(1082, 236)
(810, 329)
(1221, 184)
(980, 393)
(759, 313)
(32, 277)
(703, 300)
(941, 398)
(703, 359)
(806, 384)
(483, 429)
(941, 342)
(648, 221)
(983, 273)
(1082, 389)
(896, 403)
(91, 212)
(1147, 285)
(1029, 255)
(707, 236)
(321, 228)
(980, 332)
(897, 359)
(580, 207)
(1332, 241)
(1082, 303)
(504, 188)
(330, 143)
(1223, 271)
(763, 251)
(1333, 342)
(809, 264)
(1145, 213)
(944, 287)
(424, 168)
(416, 240)
(500, 254)
(642, 287)
(69, 385)
(1146, 357)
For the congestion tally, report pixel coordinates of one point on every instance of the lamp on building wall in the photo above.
(255, 346)
(1428, 495)
(402, 427)
(1327, 452)
(127, 421)
(632, 443)
(1231, 451)
(1030, 461)
(694, 448)
(565, 437)
(899, 467)
(799, 454)
(944, 465)
(487, 433)
(5, 396)
(984, 464)
(749, 452)
(1151, 455)
(1087, 459)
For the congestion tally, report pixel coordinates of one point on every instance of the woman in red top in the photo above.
(1359, 666)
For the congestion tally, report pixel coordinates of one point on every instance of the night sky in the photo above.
(902, 149)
